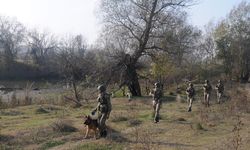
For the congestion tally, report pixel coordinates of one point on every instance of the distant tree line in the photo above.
(141, 42)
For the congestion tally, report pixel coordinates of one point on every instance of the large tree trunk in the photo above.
(130, 76)
(244, 77)
(133, 81)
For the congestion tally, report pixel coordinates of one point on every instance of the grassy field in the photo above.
(47, 126)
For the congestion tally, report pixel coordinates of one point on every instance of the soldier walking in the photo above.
(104, 107)
(190, 91)
(220, 89)
(157, 100)
(207, 91)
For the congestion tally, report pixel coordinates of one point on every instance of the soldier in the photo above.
(104, 107)
(207, 91)
(157, 95)
(190, 96)
(220, 89)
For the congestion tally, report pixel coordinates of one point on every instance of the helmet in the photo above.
(190, 84)
(219, 81)
(157, 84)
(206, 81)
(101, 88)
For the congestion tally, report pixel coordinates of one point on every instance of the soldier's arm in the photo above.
(109, 106)
(98, 104)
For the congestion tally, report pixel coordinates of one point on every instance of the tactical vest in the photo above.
(157, 94)
(103, 100)
(220, 88)
(208, 88)
(191, 92)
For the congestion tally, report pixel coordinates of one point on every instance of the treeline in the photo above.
(141, 41)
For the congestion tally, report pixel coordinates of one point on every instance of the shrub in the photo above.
(62, 125)
(118, 118)
(42, 110)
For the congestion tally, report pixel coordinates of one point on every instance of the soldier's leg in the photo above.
(220, 95)
(102, 125)
(154, 107)
(208, 99)
(205, 99)
(190, 104)
(158, 105)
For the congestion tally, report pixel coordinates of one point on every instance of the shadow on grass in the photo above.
(5, 138)
(116, 136)
(163, 143)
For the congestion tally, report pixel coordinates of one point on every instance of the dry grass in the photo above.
(131, 126)
(63, 125)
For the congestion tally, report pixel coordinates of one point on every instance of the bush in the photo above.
(198, 126)
(134, 122)
(118, 118)
(42, 110)
(63, 125)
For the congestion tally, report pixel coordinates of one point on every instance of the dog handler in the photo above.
(104, 107)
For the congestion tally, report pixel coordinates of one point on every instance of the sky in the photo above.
(79, 16)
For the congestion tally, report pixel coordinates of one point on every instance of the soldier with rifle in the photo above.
(190, 91)
(104, 108)
(207, 92)
(220, 89)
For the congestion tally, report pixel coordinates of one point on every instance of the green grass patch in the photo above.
(146, 116)
(94, 146)
(11, 113)
(119, 119)
(42, 110)
(51, 144)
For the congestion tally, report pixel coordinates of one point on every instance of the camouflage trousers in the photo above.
(156, 106)
(206, 99)
(102, 122)
(219, 95)
(190, 102)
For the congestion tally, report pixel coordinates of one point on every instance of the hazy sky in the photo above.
(78, 16)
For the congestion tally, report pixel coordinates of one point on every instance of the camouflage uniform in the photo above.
(220, 89)
(157, 95)
(207, 91)
(190, 96)
(104, 107)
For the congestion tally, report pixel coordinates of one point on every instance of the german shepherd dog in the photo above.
(91, 125)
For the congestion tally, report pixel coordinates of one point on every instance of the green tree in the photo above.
(232, 39)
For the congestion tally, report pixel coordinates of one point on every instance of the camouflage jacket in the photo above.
(207, 88)
(219, 87)
(104, 103)
(157, 94)
(190, 91)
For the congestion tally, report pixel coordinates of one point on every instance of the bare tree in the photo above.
(11, 37)
(140, 23)
(41, 45)
(71, 62)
